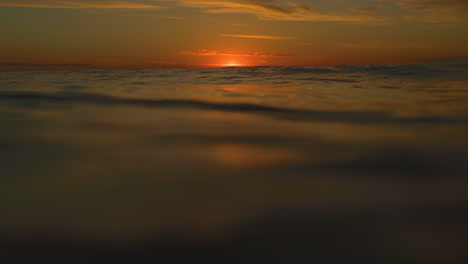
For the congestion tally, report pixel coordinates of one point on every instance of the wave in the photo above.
(341, 75)
(374, 117)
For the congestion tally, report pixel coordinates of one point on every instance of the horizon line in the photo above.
(20, 67)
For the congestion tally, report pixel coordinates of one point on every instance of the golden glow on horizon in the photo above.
(232, 64)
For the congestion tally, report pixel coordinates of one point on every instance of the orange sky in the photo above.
(74, 34)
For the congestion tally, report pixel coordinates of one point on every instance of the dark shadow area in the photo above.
(402, 236)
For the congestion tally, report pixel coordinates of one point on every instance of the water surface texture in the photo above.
(344, 164)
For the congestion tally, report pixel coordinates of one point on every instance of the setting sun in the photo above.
(232, 64)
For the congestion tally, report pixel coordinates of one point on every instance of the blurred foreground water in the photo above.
(344, 164)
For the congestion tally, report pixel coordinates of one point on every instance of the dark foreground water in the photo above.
(346, 164)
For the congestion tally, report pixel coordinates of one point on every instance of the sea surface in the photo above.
(340, 164)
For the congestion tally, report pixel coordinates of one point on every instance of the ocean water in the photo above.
(341, 164)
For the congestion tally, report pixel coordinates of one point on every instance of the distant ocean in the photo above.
(339, 164)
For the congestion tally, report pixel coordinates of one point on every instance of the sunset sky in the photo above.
(62, 34)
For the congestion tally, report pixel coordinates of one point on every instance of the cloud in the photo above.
(245, 6)
(386, 44)
(231, 53)
(24, 64)
(256, 37)
(432, 5)
(434, 10)
(242, 25)
(379, 44)
(366, 9)
(271, 10)
(124, 4)
(287, 10)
